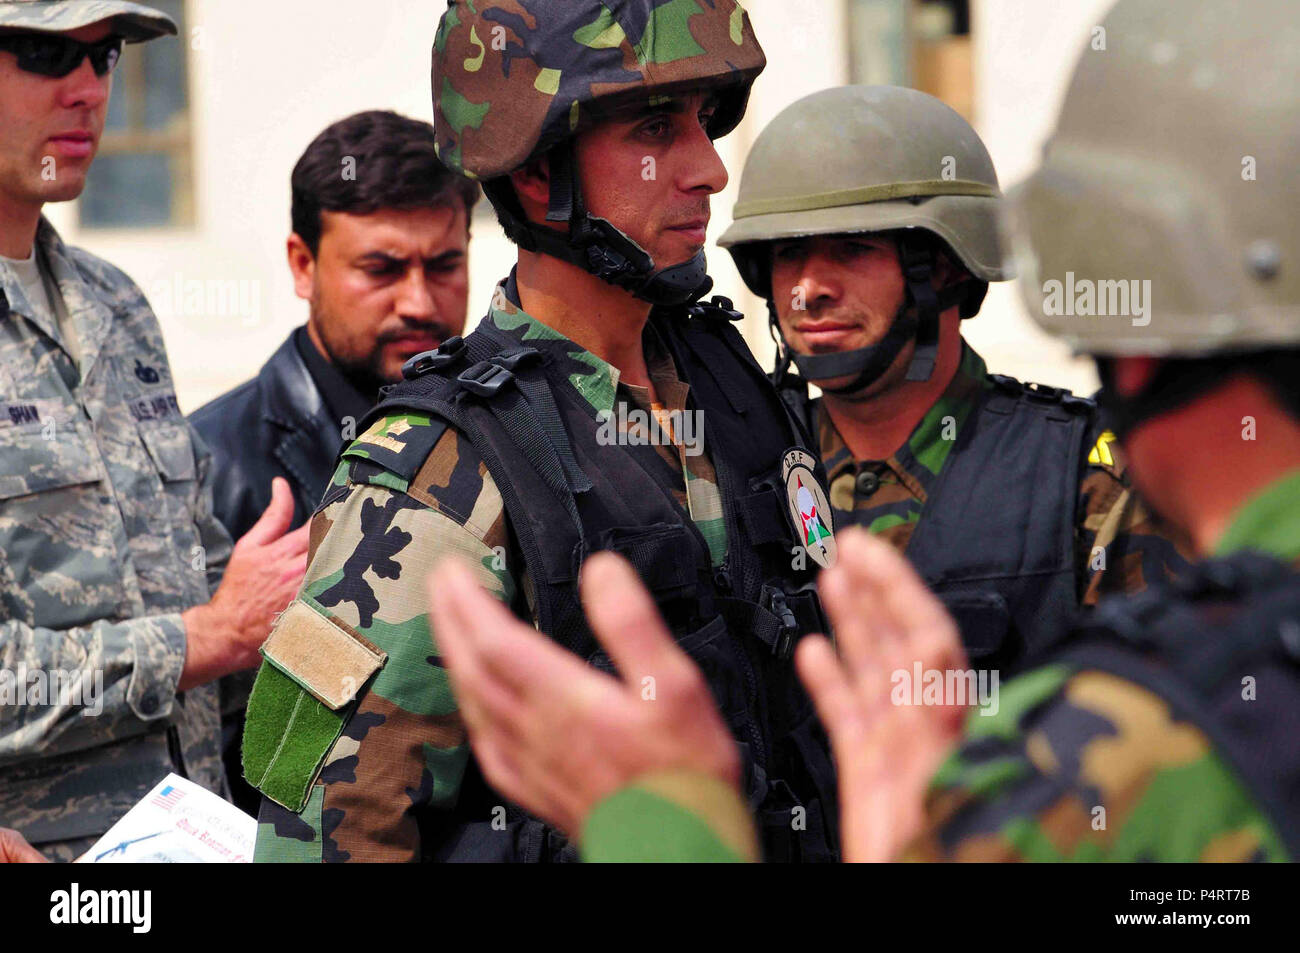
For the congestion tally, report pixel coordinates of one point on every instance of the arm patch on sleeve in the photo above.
(320, 655)
(313, 668)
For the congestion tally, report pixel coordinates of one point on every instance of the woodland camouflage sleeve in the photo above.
(347, 783)
(1085, 766)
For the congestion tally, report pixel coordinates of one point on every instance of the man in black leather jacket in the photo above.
(379, 250)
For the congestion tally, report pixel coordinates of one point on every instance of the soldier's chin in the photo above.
(66, 188)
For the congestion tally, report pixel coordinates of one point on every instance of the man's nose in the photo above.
(703, 169)
(818, 279)
(82, 89)
(414, 300)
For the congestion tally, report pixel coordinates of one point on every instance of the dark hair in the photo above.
(394, 165)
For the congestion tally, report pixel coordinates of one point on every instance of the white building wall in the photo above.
(266, 77)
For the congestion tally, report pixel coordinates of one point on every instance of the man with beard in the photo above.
(380, 250)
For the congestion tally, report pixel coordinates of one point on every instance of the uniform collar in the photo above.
(1269, 522)
(90, 317)
(595, 380)
(923, 455)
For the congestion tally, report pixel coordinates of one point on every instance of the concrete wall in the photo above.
(266, 77)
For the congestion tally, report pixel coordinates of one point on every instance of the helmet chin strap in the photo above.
(594, 244)
(917, 320)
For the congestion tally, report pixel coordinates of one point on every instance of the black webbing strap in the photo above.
(525, 408)
(778, 620)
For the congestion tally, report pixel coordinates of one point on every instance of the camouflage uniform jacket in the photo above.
(394, 765)
(888, 497)
(106, 536)
(1026, 783)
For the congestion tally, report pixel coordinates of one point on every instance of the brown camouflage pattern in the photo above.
(374, 540)
(513, 77)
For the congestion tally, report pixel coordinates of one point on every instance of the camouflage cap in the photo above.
(512, 78)
(1171, 175)
(134, 21)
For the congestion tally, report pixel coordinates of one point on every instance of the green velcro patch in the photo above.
(330, 661)
(286, 737)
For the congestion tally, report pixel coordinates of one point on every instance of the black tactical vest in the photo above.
(996, 539)
(1222, 647)
(567, 495)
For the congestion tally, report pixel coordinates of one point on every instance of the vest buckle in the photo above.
(445, 354)
(485, 378)
(783, 644)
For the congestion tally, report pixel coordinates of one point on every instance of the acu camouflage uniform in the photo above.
(106, 537)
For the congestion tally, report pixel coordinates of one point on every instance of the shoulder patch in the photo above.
(397, 442)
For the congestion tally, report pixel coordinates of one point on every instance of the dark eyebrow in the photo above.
(383, 258)
(669, 105)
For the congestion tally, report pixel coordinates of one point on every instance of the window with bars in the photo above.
(142, 176)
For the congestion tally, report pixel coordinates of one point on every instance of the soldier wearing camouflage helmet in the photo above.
(598, 406)
(1162, 727)
(115, 619)
(1007, 497)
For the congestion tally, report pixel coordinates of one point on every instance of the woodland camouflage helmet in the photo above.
(886, 159)
(1173, 163)
(514, 80)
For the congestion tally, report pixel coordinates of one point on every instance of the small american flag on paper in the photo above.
(167, 798)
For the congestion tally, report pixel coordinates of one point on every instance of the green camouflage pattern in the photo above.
(1138, 549)
(1086, 766)
(135, 21)
(511, 78)
(1077, 766)
(106, 535)
(374, 540)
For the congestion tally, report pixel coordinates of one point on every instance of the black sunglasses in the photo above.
(49, 54)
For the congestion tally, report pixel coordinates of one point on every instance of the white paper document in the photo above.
(178, 822)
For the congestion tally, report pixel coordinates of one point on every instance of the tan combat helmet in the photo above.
(134, 21)
(1165, 219)
(860, 159)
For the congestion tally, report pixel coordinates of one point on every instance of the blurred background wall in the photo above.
(190, 194)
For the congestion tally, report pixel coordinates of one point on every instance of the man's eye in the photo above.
(656, 128)
(706, 117)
